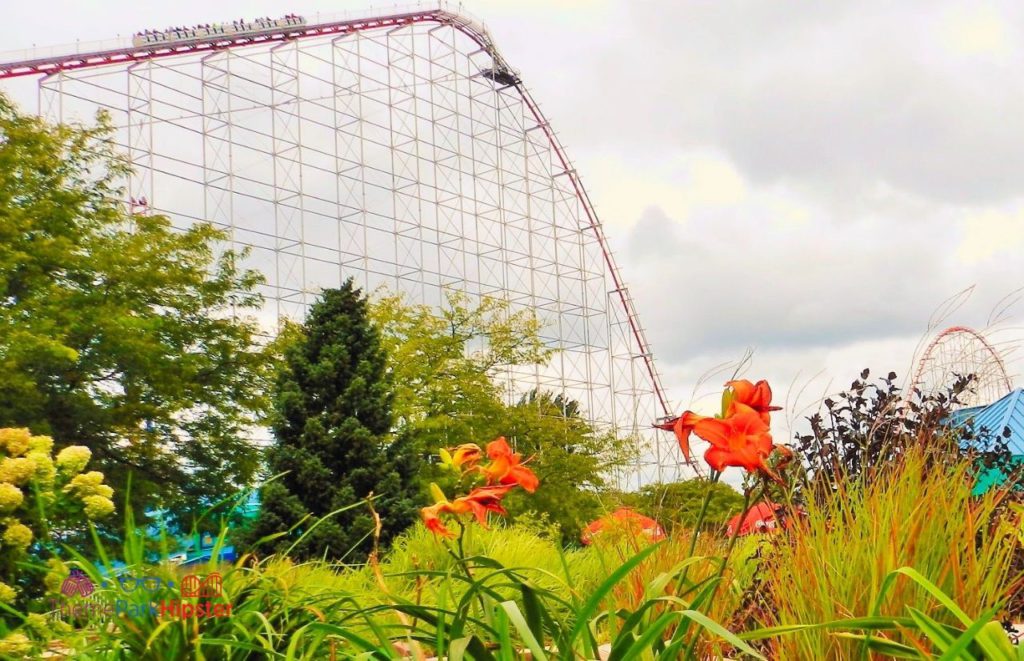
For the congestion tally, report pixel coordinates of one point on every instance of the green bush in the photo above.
(678, 504)
(44, 502)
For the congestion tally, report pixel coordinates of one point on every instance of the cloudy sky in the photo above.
(808, 179)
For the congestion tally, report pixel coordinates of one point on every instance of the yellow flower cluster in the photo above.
(18, 535)
(16, 470)
(45, 470)
(94, 494)
(16, 442)
(55, 575)
(42, 444)
(7, 593)
(73, 458)
(15, 645)
(97, 507)
(89, 484)
(11, 497)
(27, 466)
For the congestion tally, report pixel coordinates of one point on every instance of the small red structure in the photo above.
(762, 517)
(624, 518)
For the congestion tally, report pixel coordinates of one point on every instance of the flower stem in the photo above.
(725, 561)
(715, 475)
(460, 558)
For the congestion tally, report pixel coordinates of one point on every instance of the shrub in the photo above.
(678, 504)
(43, 502)
(870, 425)
(921, 515)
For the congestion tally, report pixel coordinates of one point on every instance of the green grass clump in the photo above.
(920, 514)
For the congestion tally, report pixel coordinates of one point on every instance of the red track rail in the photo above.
(479, 34)
(954, 330)
(74, 61)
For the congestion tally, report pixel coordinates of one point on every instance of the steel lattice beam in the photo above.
(401, 149)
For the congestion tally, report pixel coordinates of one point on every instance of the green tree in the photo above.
(445, 365)
(678, 504)
(442, 363)
(333, 442)
(574, 462)
(116, 331)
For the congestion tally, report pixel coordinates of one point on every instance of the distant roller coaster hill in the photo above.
(401, 150)
(240, 28)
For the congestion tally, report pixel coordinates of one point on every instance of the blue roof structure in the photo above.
(1004, 413)
(1007, 412)
(193, 548)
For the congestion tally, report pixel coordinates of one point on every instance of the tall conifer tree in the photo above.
(333, 439)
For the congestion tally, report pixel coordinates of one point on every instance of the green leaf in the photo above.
(980, 631)
(879, 622)
(471, 645)
(590, 607)
(638, 645)
(936, 632)
(534, 611)
(883, 646)
(720, 631)
(515, 616)
(930, 587)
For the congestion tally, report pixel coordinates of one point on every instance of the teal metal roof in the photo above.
(997, 416)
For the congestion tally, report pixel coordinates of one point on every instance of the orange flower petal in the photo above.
(683, 428)
(714, 431)
(498, 448)
(522, 476)
(467, 453)
(717, 458)
(506, 467)
(757, 396)
(742, 390)
(431, 516)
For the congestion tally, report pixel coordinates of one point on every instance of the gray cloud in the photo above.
(732, 278)
(856, 111)
(831, 95)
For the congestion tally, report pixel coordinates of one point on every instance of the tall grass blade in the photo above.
(584, 614)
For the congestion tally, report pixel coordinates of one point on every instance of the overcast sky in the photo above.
(807, 179)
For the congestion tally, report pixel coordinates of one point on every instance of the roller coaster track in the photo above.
(502, 73)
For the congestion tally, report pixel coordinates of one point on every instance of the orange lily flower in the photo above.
(482, 500)
(506, 467)
(741, 440)
(479, 502)
(467, 453)
(431, 516)
(757, 396)
(682, 426)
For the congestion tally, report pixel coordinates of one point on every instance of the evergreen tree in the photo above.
(333, 443)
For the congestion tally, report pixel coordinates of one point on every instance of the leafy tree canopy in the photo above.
(443, 363)
(447, 367)
(678, 504)
(116, 331)
(575, 463)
